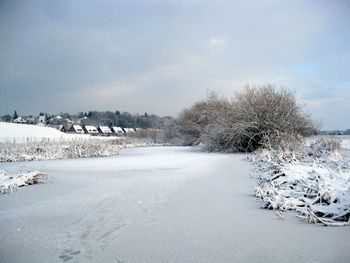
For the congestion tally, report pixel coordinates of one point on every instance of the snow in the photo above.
(314, 181)
(58, 149)
(30, 142)
(345, 142)
(9, 183)
(24, 133)
(10, 132)
(165, 204)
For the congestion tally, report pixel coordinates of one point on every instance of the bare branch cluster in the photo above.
(258, 116)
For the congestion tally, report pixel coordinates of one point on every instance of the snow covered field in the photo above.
(10, 132)
(19, 142)
(165, 204)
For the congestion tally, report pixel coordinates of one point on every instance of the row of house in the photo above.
(68, 126)
(100, 130)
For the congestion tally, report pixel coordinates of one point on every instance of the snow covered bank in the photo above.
(314, 181)
(9, 182)
(19, 142)
(57, 149)
(12, 132)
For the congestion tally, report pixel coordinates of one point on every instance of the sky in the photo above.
(161, 56)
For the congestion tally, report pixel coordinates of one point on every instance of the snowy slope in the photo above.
(23, 133)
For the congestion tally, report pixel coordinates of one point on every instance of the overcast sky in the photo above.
(161, 56)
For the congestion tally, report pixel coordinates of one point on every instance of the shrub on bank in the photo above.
(257, 117)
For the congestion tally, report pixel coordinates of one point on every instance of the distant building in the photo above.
(129, 130)
(76, 129)
(91, 129)
(118, 131)
(42, 120)
(105, 130)
(19, 120)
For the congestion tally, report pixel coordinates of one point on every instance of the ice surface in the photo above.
(166, 204)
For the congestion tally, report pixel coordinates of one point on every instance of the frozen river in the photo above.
(170, 204)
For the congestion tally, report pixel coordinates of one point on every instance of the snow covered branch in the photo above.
(314, 181)
(9, 183)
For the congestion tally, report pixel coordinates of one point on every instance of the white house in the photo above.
(19, 120)
(91, 129)
(42, 120)
(118, 130)
(76, 129)
(105, 130)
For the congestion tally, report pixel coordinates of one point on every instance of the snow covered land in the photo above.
(159, 204)
(20, 142)
(193, 206)
(21, 133)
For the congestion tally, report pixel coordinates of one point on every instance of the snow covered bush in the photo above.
(9, 182)
(314, 181)
(171, 133)
(257, 117)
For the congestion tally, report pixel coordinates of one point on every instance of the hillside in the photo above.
(23, 133)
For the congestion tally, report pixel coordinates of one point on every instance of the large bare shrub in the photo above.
(271, 118)
(259, 116)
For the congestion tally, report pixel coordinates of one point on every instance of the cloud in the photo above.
(160, 56)
(216, 42)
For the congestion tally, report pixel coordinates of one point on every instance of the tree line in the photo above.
(96, 118)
